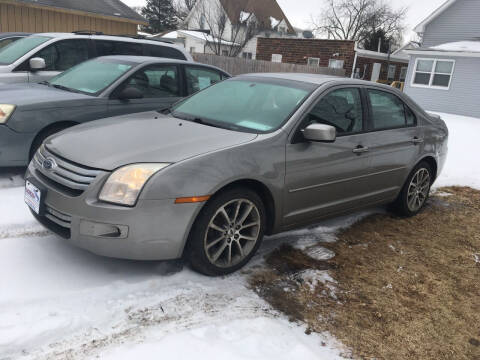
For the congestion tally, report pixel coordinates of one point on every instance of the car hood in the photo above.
(140, 138)
(26, 95)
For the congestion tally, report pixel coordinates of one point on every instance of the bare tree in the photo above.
(221, 34)
(183, 8)
(358, 19)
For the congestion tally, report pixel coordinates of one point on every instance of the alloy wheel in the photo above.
(232, 233)
(418, 190)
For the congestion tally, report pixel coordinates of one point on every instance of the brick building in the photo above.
(369, 65)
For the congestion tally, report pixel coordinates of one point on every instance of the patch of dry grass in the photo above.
(406, 288)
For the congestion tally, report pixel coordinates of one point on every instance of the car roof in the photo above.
(155, 60)
(315, 79)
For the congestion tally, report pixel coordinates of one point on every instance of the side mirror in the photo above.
(320, 133)
(37, 64)
(130, 93)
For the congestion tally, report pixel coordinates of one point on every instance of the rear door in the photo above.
(160, 85)
(326, 178)
(394, 141)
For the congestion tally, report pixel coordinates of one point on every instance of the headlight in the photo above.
(124, 185)
(5, 112)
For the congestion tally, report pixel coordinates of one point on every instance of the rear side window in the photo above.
(106, 48)
(165, 52)
(201, 78)
(388, 111)
(341, 109)
(64, 54)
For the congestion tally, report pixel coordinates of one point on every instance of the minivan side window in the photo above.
(64, 54)
(388, 111)
(200, 78)
(157, 81)
(164, 51)
(341, 109)
(110, 47)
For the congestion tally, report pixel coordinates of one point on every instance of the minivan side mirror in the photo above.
(37, 64)
(130, 93)
(320, 133)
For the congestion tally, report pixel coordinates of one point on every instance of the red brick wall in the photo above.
(297, 51)
(361, 62)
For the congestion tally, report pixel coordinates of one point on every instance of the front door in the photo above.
(377, 67)
(159, 84)
(325, 178)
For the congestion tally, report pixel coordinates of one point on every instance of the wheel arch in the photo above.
(60, 125)
(430, 160)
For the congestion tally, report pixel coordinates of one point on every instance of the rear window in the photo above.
(165, 52)
(14, 51)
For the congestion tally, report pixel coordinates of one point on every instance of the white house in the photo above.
(198, 42)
(444, 72)
(238, 15)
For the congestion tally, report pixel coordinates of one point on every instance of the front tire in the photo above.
(416, 191)
(227, 233)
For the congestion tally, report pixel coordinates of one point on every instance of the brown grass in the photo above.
(406, 288)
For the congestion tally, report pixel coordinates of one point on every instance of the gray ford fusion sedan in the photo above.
(96, 89)
(257, 154)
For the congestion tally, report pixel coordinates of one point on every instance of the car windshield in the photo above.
(91, 77)
(14, 51)
(258, 106)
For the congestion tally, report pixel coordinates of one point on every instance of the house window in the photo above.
(224, 52)
(277, 58)
(247, 55)
(313, 61)
(203, 20)
(391, 72)
(336, 64)
(403, 73)
(192, 49)
(433, 73)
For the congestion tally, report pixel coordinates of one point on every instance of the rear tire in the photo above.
(227, 232)
(415, 192)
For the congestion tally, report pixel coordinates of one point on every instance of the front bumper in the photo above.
(152, 230)
(14, 147)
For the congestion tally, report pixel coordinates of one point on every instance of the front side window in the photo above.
(341, 109)
(91, 77)
(158, 81)
(14, 51)
(64, 54)
(256, 106)
(433, 73)
(388, 111)
(199, 79)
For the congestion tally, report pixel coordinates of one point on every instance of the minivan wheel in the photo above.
(416, 191)
(227, 233)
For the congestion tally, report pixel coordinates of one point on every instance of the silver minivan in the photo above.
(40, 57)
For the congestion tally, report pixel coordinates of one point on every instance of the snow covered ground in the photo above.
(57, 301)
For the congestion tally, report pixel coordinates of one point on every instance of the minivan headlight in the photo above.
(125, 184)
(5, 111)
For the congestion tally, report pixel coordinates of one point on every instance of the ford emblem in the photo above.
(49, 164)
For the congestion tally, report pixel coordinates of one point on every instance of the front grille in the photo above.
(59, 218)
(66, 176)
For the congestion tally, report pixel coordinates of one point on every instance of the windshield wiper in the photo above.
(45, 82)
(61, 87)
(166, 110)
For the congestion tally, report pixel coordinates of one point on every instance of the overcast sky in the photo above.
(299, 12)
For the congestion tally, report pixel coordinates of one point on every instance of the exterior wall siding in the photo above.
(20, 18)
(297, 51)
(460, 99)
(457, 23)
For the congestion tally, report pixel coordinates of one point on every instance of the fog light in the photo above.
(90, 228)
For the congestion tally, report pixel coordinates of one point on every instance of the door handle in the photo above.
(360, 150)
(417, 140)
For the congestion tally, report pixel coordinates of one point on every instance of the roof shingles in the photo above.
(114, 8)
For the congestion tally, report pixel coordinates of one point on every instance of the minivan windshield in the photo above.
(257, 105)
(14, 51)
(91, 77)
